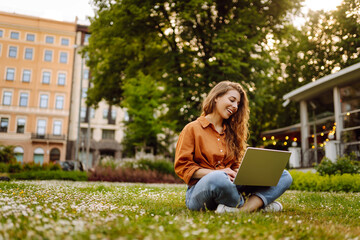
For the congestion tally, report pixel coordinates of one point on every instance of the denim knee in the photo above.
(286, 179)
(218, 180)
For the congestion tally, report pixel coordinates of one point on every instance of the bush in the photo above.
(131, 175)
(161, 166)
(50, 175)
(345, 164)
(32, 167)
(15, 167)
(4, 167)
(328, 183)
(7, 154)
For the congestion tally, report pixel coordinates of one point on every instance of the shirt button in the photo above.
(218, 139)
(221, 150)
(219, 162)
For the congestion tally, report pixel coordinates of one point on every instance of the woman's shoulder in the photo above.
(193, 126)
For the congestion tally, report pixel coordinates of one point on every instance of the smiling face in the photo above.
(227, 104)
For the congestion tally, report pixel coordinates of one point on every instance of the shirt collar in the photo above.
(205, 123)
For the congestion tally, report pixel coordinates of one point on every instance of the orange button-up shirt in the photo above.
(201, 146)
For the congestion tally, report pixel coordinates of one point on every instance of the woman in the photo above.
(209, 151)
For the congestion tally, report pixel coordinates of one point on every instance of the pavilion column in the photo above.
(337, 113)
(305, 132)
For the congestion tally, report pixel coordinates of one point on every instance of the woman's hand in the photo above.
(231, 173)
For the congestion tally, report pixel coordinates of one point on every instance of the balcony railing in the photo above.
(37, 136)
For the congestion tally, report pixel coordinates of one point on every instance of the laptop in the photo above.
(261, 167)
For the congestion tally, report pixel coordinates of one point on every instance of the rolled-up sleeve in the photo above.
(185, 166)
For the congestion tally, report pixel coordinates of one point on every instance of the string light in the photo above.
(264, 138)
(285, 143)
(274, 143)
(287, 138)
(272, 137)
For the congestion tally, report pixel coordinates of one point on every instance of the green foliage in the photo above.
(328, 183)
(328, 42)
(161, 166)
(4, 167)
(144, 105)
(344, 164)
(15, 167)
(186, 47)
(50, 175)
(7, 154)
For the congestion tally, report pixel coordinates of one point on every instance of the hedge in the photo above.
(329, 183)
(51, 175)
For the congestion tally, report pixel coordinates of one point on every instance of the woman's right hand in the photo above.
(231, 173)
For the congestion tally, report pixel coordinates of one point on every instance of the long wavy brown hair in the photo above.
(236, 131)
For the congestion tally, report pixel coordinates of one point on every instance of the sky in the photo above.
(68, 10)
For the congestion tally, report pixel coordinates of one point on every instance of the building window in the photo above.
(10, 74)
(84, 133)
(30, 37)
(63, 57)
(86, 39)
(46, 77)
(44, 101)
(14, 35)
(28, 53)
(65, 42)
(83, 114)
(48, 55)
(39, 156)
(84, 92)
(4, 124)
(41, 127)
(113, 114)
(61, 79)
(49, 39)
(24, 99)
(86, 74)
(59, 102)
(54, 155)
(20, 127)
(92, 112)
(7, 98)
(126, 116)
(1, 33)
(105, 113)
(26, 76)
(19, 154)
(57, 128)
(12, 52)
(108, 134)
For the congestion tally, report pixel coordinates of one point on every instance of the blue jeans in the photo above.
(216, 188)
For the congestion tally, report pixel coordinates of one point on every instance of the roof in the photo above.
(310, 90)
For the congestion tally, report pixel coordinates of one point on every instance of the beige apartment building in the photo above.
(36, 68)
(93, 133)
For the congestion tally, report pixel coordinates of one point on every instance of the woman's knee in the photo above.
(218, 180)
(286, 179)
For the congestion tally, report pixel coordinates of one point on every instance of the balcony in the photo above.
(35, 137)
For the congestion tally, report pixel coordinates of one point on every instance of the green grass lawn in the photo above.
(88, 210)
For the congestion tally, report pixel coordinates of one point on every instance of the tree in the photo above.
(143, 100)
(188, 46)
(328, 42)
(7, 154)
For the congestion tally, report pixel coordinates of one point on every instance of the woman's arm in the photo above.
(204, 171)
